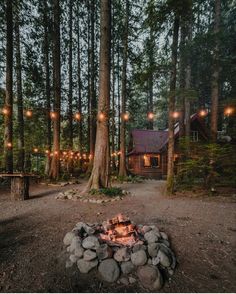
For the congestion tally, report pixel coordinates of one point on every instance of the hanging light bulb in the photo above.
(125, 116)
(150, 115)
(175, 114)
(77, 116)
(55, 152)
(28, 113)
(5, 111)
(101, 116)
(47, 151)
(36, 150)
(228, 111)
(53, 115)
(203, 112)
(9, 145)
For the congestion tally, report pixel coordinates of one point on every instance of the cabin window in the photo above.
(194, 136)
(151, 160)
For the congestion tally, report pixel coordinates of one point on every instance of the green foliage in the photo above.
(128, 179)
(207, 165)
(111, 192)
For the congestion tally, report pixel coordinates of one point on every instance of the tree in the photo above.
(8, 132)
(171, 104)
(70, 77)
(100, 172)
(215, 74)
(122, 166)
(20, 117)
(55, 165)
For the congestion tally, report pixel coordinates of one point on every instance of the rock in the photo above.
(162, 258)
(73, 258)
(85, 266)
(139, 258)
(165, 242)
(146, 229)
(151, 237)
(91, 242)
(164, 236)
(90, 231)
(132, 280)
(170, 254)
(104, 251)
(68, 238)
(79, 251)
(109, 270)
(153, 249)
(138, 247)
(89, 255)
(150, 277)
(75, 244)
(127, 267)
(122, 254)
(170, 271)
(124, 281)
(149, 261)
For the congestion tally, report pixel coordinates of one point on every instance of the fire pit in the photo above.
(121, 251)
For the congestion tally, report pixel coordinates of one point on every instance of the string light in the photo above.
(28, 113)
(5, 111)
(55, 152)
(150, 115)
(36, 150)
(125, 116)
(77, 116)
(47, 151)
(9, 145)
(175, 114)
(53, 115)
(101, 116)
(203, 112)
(228, 111)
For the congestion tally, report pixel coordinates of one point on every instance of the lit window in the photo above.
(151, 160)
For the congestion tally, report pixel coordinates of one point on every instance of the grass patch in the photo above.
(128, 179)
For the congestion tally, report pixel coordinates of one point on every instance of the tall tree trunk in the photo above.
(171, 140)
(122, 167)
(113, 127)
(89, 74)
(8, 136)
(118, 96)
(70, 110)
(150, 79)
(79, 89)
(55, 165)
(215, 74)
(100, 172)
(20, 117)
(93, 102)
(47, 86)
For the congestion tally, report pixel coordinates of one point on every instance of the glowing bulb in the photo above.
(228, 111)
(175, 114)
(28, 113)
(9, 144)
(5, 111)
(101, 116)
(53, 115)
(55, 152)
(90, 156)
(36, 150)
(126, 116)
(47, 151)
(151, 115)
(203, 112)
(77, 116)
(64, 152)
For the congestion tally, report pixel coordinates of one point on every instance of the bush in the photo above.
(112, 191)
(129, 179)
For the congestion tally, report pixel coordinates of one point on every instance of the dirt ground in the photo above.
(202, 232)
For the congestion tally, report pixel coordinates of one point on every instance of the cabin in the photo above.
(147, 152)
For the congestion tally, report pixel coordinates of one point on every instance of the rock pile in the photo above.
(148, 259)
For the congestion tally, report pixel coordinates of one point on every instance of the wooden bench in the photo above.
(19, 185)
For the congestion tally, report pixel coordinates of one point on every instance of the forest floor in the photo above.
(202, 231)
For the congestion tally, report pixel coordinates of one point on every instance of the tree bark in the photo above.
(122, 163)
(215, 74)
(100, 172)
(171, 140)
(8, 131)
(47, 86)
(55, 165)
(150, 79)
(70, 72)
(20, 116)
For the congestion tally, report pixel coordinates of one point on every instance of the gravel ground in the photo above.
(202, 232)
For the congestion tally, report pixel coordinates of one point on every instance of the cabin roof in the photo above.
(152, 141)
(148, 141)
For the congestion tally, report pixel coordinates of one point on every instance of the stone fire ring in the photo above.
(121, 252)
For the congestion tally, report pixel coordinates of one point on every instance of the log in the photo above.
(19, 188)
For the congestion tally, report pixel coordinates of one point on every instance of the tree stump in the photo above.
(19, 188)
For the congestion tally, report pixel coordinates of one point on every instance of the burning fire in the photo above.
(119, 231)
